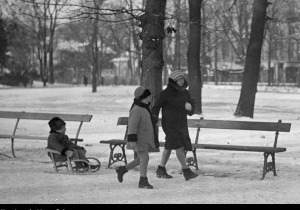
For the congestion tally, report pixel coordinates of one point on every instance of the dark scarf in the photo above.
(153, 119)
(52, 131)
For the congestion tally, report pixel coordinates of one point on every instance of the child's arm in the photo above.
(71, 144)
(162, 99)
(53, 143)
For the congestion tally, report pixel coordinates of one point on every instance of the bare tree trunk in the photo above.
(53, 18)
(3, 43)
(152, 35)
(177, 36)
(95, 51)
(246, 102)
(45, 51)
(216, 56)
(193, 54)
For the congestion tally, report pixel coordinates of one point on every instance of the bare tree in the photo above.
(246, 102)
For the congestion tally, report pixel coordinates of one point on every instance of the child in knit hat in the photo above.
(141, 136)
(59, 141)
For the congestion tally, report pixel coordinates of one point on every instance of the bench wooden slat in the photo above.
(122, 121)
(32, 137)
(227, 124)
(240, 125)
(23, 137)
(240, 148)
(235, 147)
(45, 116)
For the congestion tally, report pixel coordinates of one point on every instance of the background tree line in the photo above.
(191, 35)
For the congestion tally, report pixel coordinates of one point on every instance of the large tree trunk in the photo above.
(193, 54)
(152, 35)
(246, 102)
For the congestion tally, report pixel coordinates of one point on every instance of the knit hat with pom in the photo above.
(141, 93)
(175, 75)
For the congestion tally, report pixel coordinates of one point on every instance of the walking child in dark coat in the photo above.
(176, 103)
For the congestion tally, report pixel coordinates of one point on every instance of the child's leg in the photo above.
(121, 170)
(143, 183)
(133, 164)
(144, 159)
(79, 155)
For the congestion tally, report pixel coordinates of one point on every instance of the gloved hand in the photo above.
(188, 106)
(69, 153)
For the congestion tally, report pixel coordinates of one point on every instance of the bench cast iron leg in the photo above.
(269, 166)
(192, 161)
(116, 157)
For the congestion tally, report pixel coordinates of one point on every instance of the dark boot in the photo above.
(161, 172)
(143, 183)
(121, 170)
(80, 167)
(189, 174)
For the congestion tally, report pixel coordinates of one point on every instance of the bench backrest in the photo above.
(227, 124)
(45, 116)
(240, 125)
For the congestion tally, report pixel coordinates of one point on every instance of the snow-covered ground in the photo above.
(225, 177)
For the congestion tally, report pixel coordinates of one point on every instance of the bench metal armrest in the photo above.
(76, 140)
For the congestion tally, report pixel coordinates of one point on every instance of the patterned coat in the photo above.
(174, 115)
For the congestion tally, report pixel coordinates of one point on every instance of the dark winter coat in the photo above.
(61, 143)
(174, 115)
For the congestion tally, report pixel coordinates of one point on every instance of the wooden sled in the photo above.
(69, 167)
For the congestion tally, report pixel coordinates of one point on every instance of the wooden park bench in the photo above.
(215, 124)
(39, 116)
